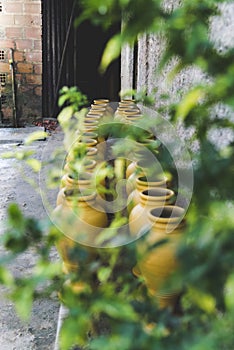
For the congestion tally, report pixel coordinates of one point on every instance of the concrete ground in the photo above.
(39, 333)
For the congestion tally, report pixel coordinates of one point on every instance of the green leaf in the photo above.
(117, 341)
(229, 293)
(35, 136)
(204, 301)
(23, 298)
(111, 52)
(47, 270)
(189, 102)
(115, 309)
(15, 215)
(6, 277)
(34, 164)
(104, 273)
(65, 116)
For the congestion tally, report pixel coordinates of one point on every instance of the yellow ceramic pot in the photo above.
(93, 115)
(158, 264)
(90, 123)
(133, 118)
(80, 219)
(143, 183)
(127, 102)
(81, 182)
(139, 221)
(132, 111)
(101, 101)
(86, 165)
(104, 102)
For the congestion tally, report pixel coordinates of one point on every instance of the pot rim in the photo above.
(162, 194)
(79, 195)
(89, 134)
(88, 141)
(98, 107)
(94, 115)
(91, 151)
(155, 214)
(90, 122)
(101, 100)
(157, 182)
(84, 177)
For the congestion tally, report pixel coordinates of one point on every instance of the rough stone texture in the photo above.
(142, 64)
(127, 68)
(150, 50)
(222, 27)
(20, 30)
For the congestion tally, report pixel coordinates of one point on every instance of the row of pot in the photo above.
(152, 216)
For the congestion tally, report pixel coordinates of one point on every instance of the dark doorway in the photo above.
(71, 56)
(91, 43)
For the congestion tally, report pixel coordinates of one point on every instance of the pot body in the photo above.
(82, 183)
(158, 264)
(80, 219)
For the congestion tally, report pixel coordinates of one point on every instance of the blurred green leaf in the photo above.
(6, 277)
(23, 299)
(115, 309)
(192, 98)
(111, 52)
(35, 136)
(229, 292)
(34, 164)
(65, 116)
(104, 273)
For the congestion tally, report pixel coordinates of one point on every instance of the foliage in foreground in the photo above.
(109, 295)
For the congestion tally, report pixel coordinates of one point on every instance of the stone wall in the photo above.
(150, 49)
(20, 38)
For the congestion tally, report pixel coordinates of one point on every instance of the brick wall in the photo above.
(20, 33)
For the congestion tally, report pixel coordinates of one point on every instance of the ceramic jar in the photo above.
(69, 182)
(86, 165)
(88, 142)
(93, 115)
(119, 115)
(104, 102)
(90, 124)
(132, 111)
(91, 152)
(99, 110)
(135, 169)
(132, 119)
(80, 219)
(101, 101)
(139, 221)
(127, 102)
(157, 265)
(144, 183)
(89, 135)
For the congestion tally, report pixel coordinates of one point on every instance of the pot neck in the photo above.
(75, 197)
(143, 183)
(156, 197)
(167, 218)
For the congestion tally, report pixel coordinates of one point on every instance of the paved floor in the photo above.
(40, 332)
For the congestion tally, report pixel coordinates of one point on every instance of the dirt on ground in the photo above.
(40, 332)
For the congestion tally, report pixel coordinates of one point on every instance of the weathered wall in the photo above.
(20, 31)
(150, 49)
